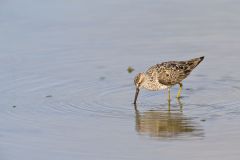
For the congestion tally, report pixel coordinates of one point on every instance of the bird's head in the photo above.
(139, 82)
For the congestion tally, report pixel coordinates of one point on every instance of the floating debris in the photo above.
(130, 69)
(48, 96)
(203, 120)
(14, 106)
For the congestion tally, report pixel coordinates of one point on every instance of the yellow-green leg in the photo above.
(169, 99)
(180, 104)
(169, 105)
(180, 90)
(169, 96)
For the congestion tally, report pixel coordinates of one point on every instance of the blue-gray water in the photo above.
(65, 93)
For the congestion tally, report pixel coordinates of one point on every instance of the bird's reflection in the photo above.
(166, 124)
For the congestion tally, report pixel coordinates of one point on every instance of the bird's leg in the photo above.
(169, 97)
(169, 105)
(180, 90)
(180, 104)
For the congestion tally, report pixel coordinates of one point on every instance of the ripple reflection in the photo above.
(167, 124)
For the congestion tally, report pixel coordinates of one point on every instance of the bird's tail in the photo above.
(194, 62)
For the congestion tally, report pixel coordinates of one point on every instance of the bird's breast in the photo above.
(155, 86)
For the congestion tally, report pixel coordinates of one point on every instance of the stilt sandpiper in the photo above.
(165, 75)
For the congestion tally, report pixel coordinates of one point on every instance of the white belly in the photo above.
(155, 86)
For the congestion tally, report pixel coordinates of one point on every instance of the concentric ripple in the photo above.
(115, 100)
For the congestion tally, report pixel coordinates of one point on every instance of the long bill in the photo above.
(136, 95)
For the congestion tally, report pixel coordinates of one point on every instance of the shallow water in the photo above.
(66, 93)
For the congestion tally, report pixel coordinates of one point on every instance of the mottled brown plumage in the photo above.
(165, 75)
(173, 72)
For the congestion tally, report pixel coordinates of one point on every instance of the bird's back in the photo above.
(173, 72)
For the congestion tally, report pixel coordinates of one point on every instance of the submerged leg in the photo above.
(169, 105)
(180, 90)
(180, 104)
(169, 99)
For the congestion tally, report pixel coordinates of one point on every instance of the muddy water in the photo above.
(66, 93)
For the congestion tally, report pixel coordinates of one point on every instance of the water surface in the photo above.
(66, 93)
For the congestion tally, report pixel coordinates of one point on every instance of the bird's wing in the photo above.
(172, 72)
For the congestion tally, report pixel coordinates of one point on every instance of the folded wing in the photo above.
(173, 72)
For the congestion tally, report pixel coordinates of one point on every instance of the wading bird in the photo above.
(165, 75)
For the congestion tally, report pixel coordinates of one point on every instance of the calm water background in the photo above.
(66, 93)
